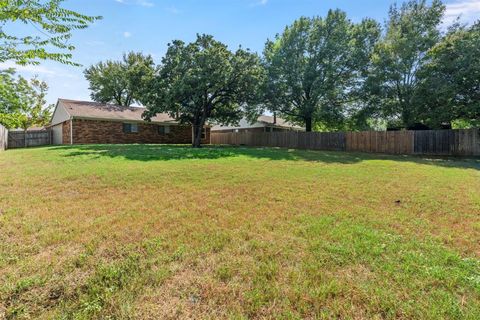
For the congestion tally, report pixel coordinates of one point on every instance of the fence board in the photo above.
(21, 139)
(3, 138)
(431, 142)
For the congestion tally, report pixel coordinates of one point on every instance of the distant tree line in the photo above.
(325, 73)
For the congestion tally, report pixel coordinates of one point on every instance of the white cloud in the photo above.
(143, 3)
(467, 10)
(127, 34)
(259, 3)
(173, 10)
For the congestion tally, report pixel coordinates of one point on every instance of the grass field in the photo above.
(167, 232)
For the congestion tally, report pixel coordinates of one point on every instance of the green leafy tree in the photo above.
(120, 82)
(204, 81)
(35, 113)
(22, 102)
(12, 91)
(411, 31)
(51, 29)
(14, 94)
(450, 82)
(316, 66)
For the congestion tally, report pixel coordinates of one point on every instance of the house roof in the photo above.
(279, 123)
(95, 110)
(262, 121)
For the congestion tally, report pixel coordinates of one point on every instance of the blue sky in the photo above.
(148, 25)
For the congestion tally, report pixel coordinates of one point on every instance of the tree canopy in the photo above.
(451, 80)
(315, 67)
(204, 81)
(393, 83)
(51, 27)
(22, 102)
(120, 82)
(326, 73)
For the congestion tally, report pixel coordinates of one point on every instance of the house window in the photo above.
(163, 130)
(268, 129)
(130, 128)
(204, 133)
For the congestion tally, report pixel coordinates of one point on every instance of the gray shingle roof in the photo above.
(95, 110)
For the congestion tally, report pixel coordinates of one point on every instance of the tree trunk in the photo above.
(407, 119)
(198, 124)
(308, 124)
(197, 136)
(197, 132)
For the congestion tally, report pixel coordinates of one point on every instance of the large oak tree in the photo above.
(315, 67)
(411, 31)
(204, 81)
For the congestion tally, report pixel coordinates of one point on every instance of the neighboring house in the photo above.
(81, 122)
(263, 124)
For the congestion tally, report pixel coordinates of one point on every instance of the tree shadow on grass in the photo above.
(153, 152)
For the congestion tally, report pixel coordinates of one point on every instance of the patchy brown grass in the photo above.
(166, 232)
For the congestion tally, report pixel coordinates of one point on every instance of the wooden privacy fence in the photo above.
(3, 138)
(21, 139)
(392, 142)
(296, 140)
(431, 142)
(448, 142)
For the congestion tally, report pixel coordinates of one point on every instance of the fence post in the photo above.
(3, 138)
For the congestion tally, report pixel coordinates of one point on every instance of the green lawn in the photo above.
(167, 232)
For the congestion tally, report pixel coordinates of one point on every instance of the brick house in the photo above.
(263, 124)
(81, 122)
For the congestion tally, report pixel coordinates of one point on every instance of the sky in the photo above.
(149, 25)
